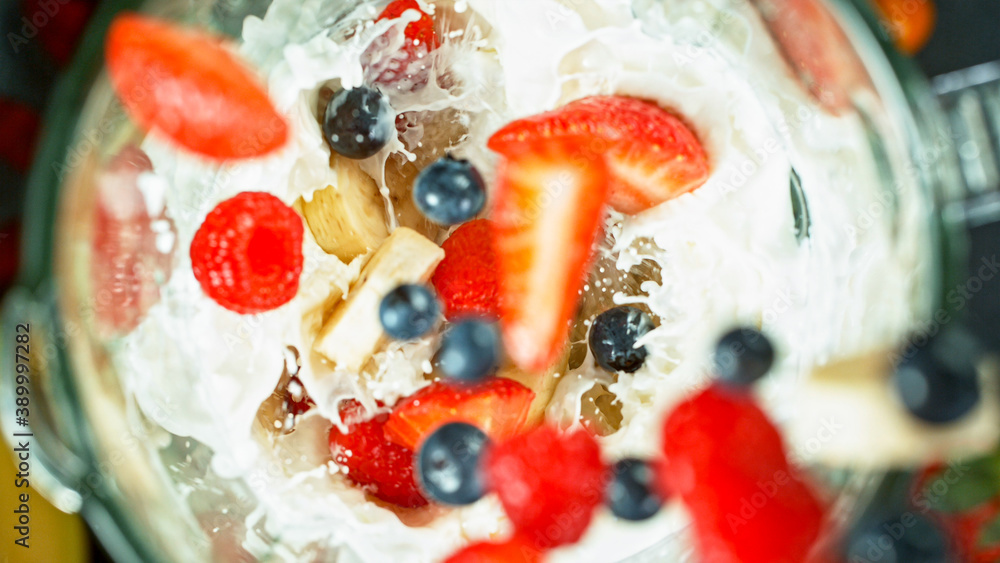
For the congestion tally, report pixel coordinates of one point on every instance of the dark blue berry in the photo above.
(613, 337)
(630, 494)
(449, 191)
(358, 122)
(408, 312)
(470, 350)
(938, 381)
(448, 464)
(743, 356)
(907, 537)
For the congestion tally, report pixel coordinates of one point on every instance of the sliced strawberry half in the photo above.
(189, 87)
(652, 155)
(549, 205)
(499, 407)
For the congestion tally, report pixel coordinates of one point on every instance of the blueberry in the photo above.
(630, 494)
(903, 538)
(470, 350)
(449, 191)
(743, 356)
(613, 337)
(408, 312)
(938, 382)
(448, 464)
(358, 122)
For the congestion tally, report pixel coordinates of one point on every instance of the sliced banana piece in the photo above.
(849, 415)
(600, 410)
(544, 386)
(348, 219)
(353, 332)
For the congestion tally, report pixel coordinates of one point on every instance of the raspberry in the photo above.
(247, 255)
(550, 483)
(382, 468)
(466, 280)
(726, 461)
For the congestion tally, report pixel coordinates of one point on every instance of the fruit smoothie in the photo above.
(519, 226)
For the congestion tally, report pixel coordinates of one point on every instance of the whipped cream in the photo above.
(727, 253)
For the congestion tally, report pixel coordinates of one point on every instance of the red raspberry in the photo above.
(549, 482)
(515, 550)
(726, 461)
(383, 468)
(466, 280)
(247, 255)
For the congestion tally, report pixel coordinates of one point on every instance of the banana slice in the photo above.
(348, 219)
(544, 386)
(353, 331)
(850, 416)
(600, 410)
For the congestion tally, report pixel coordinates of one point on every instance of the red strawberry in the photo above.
(126, 260)
(726, 461)
(20, 123)
(910, 23)
(420, 32)
(189, 87)
(515, 550)
(407, 67)
(549, 205)
(383, 468)
(10, 250)
(651, 155)
(63, 27)
(823, 58)
(247, 255)
(498, 406)
(549, 482)
(466, 280)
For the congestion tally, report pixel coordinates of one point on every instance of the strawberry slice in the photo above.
(517, 549)
(651, 155)
(381, 467)
(499, 407)
(726, 461)
(406, 67)
(822, 58)
(127, 264)
(189, 87)
(549, 204)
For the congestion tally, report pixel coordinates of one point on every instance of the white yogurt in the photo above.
(727, 252)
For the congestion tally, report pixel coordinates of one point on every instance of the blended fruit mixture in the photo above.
(441, 273)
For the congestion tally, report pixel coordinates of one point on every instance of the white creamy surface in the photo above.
(727, 251)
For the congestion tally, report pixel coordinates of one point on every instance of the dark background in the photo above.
(967, 33)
